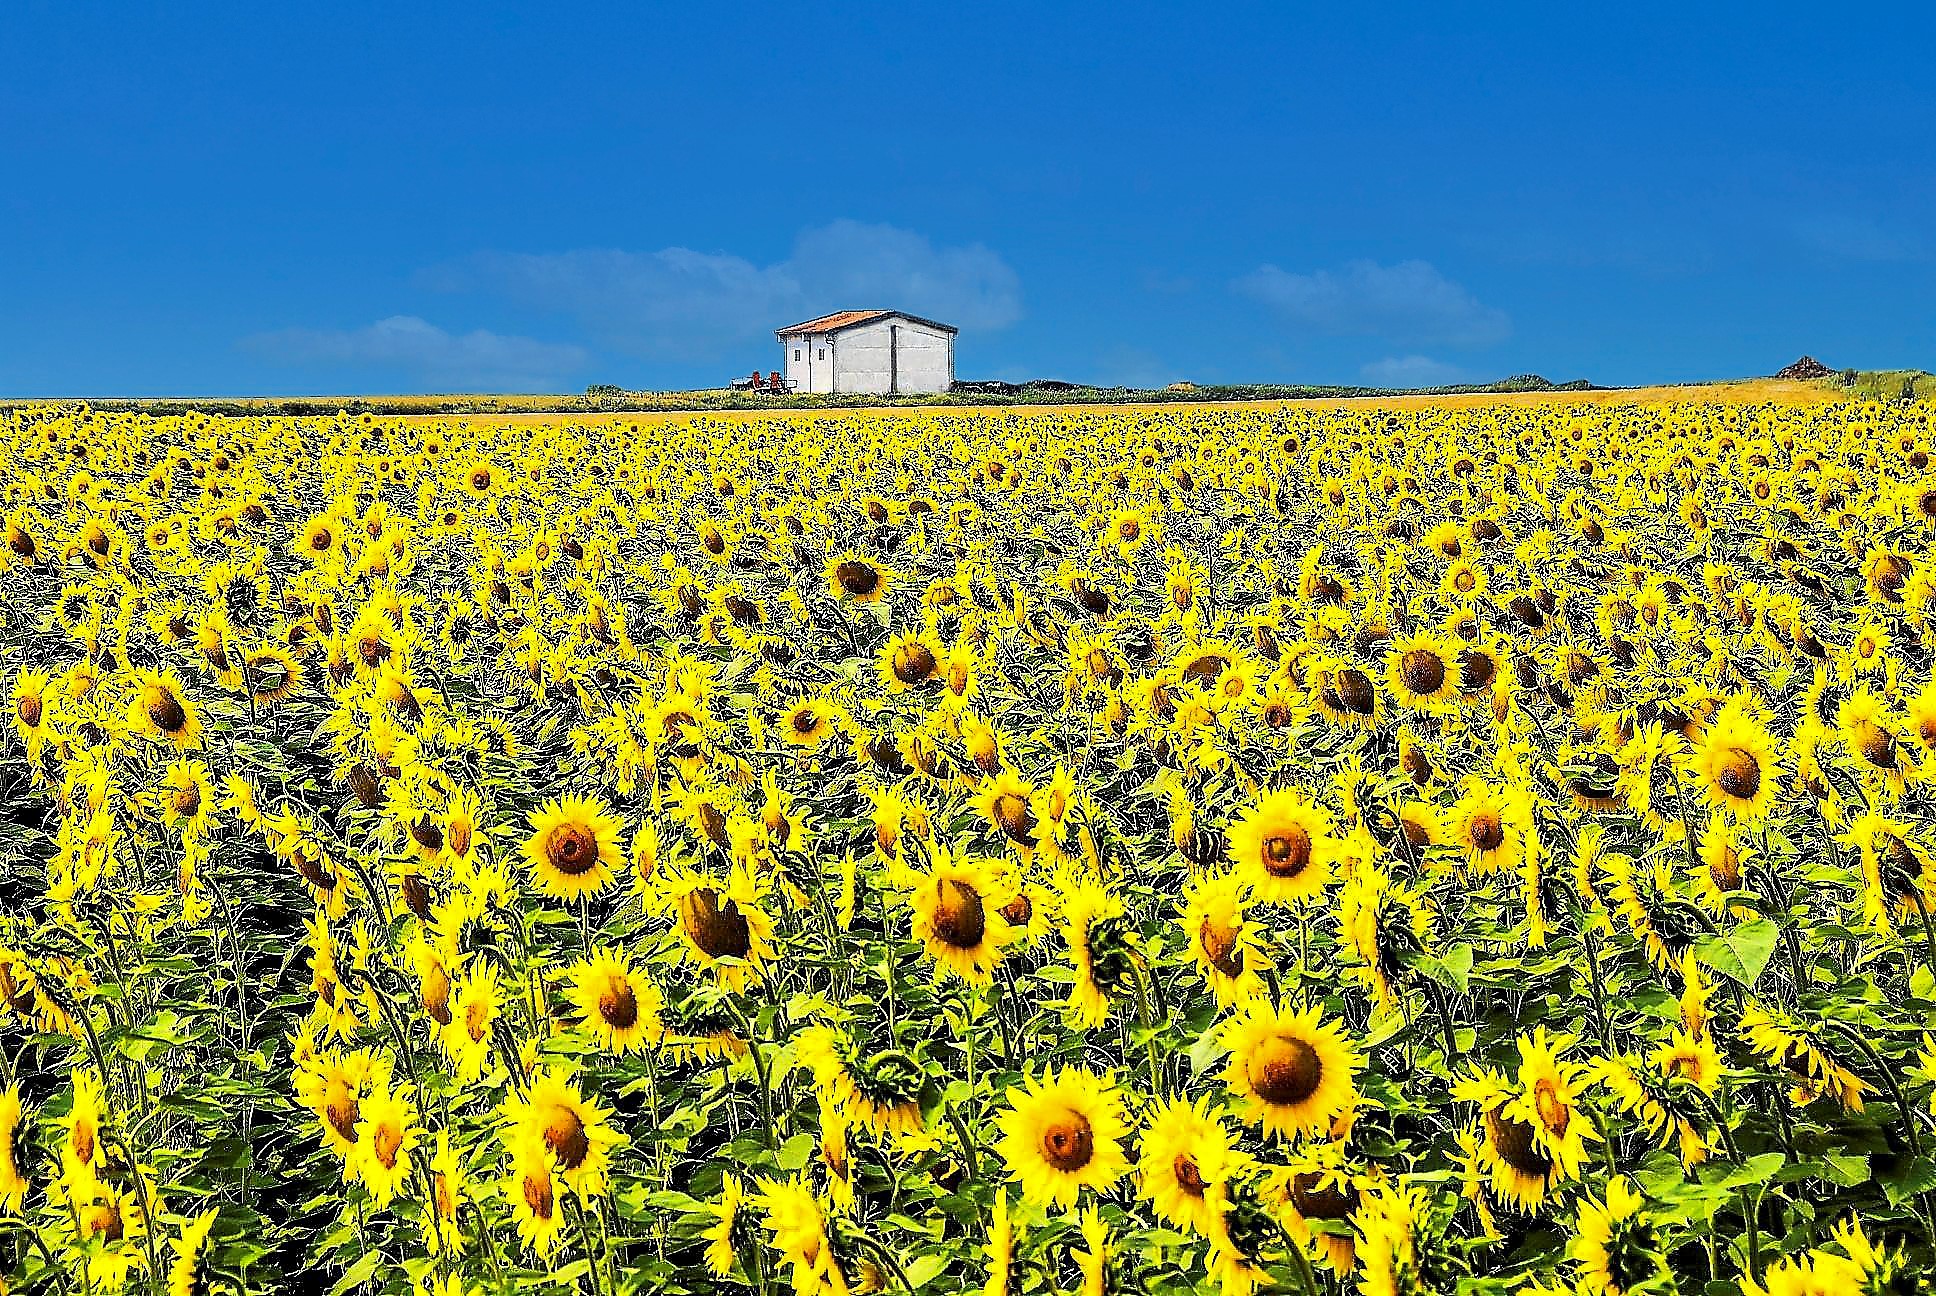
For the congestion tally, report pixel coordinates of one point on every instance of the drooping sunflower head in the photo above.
(852, 578)
(161, 710)
(959, 916)
(1224, 942)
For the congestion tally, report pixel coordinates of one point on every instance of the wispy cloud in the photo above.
(419, 350)
(1411, 371)
(681, 304)
(1409, 301)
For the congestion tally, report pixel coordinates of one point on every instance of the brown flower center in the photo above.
(537, 1195)
(959, 918)
(385, 1144)
(572, 849)
(167, 711)
(1422, 671)
(717, 927)
(1068, 1143)
(857, 578)
(1315, 1199)
(1221, 948)
(1553, 1111)
(1284, 1071)
(1738, 774)
(1287, 852)
(1513, 1141)
(913, 663)
(342, 1110)
(1188, 1177)
(1354, 691)
(619, 1004)
(565, 1135)
(1012, 812)
(1486, 832)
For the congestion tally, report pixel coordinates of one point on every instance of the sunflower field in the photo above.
(1375, 850)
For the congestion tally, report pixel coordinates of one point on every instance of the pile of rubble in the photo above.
(1807, 367)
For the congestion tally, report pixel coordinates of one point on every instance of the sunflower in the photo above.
(480, 477)
(81, 1151)
(958, 916)
(1290, 1072)
(616, 1004)
(883, 1090)
(449, 1188)
(334, 1087)
(13, 1177)
(853, 579)
(475, 1003)
(723, 926)
(1721, 869)
(1489, 826)
(1880, 752)
(909, 661)
(320, 538)
(1732, 763)
(1535, 1130)
(188, 1271)
(577, 1131)
(1006, 803)
(272, 673)
(1185, 1154)
(160, 710)
(188, 800)
(1096, 927)
(573, 848)
(530, 1187)
(1062, 1133)
(1227, 947)
(32, 710)
(1001, 1247)
(1785, 1043)
(1282, 848)
(718, 1235)
(385, 1140)
(809, 722)
(1421, 671)
(800, 1233)
(1615, 1243)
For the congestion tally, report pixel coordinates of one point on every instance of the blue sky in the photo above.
(226, 199)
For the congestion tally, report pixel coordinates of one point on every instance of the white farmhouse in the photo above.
(877, 351)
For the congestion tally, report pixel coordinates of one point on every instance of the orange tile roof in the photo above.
(836, 321)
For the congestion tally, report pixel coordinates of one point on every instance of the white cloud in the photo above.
(1411, 371)
(1407, 301)
(677, 303)
(405, 344)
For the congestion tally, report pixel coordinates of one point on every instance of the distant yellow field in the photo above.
(1748, 392)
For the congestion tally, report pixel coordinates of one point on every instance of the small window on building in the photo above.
(796, 353)
(822, 355)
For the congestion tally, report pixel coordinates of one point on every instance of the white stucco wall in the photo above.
(871, 358)
(813, 371)
(893, 354)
